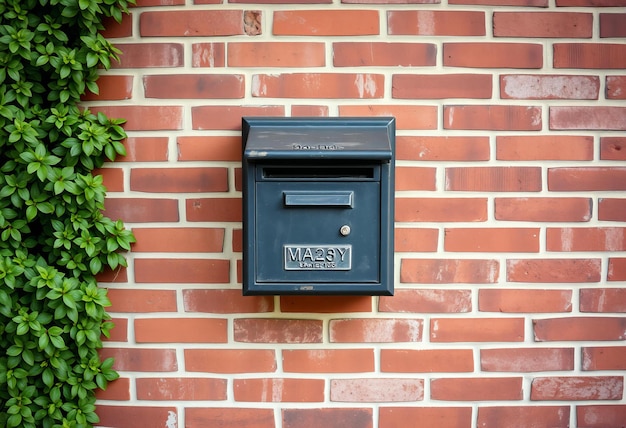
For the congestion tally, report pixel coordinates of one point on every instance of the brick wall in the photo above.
(510, 262)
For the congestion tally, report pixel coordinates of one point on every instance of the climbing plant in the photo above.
(54, 238)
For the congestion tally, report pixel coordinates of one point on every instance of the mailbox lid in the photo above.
(316, 138)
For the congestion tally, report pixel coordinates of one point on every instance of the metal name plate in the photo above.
(318, 257)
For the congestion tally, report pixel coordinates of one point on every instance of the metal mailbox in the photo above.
(318, 205)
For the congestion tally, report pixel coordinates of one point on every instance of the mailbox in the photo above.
(318, 196)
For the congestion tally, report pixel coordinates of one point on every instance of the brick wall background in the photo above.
(510, 262)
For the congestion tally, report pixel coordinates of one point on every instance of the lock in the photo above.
(308, 184)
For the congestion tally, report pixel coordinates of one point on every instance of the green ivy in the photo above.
(54, 239)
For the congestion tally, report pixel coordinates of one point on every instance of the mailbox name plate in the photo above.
(318, 257)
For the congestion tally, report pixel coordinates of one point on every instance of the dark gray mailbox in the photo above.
(318, 199)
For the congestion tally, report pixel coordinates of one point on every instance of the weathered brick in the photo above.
(543, 24)
(526, 360)
(325, 304)
(436, 23)
(179, 180)
(587, 179)
(524, 416)
(141, 301)
(142, 360)
(442, 148)
(111, 88)
(230, 360)
(191, 23)
(577, 388)
(376, 390)
(318, 85)
(276, 54)
(579, 328)
(603, 300)
(407, 116)
(145, 149)
(602, 415)
(149, 55)
(180, 389)
(381, 54)
(449, 271)
(202, 417)
(194, 86)
(228, 118)
(492, 117)
(426, 360)
(493, 179)
(117, 390)
(493, 55)
(267, 330)
(176, 271)
(375, 330)
(179, 239)
(589, 55)
(543, 209)
(590, 3)
(586, 239)
(440, 417)
(592, 118)
(328, 360)
(214, 209)
(279, 390)
(225, 302)
(612, 25)
(329, 417)
(505, 240)
(145, 118)
(617, 269)
(553, 270)
(309, 111)
(212, 54)
(441, 209)
(440, 86)
(345, 22)
(477, 329)
(555, 87)
(128, 416)
(476, 389)
(604, 358)
(429, 301)
(616, 87)
(524, 301)
(521, 3)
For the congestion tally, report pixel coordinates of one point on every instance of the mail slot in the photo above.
(318, 205)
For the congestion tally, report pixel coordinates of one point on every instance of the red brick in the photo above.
(610, 209)
(184, 330)
(315, 111)
(225, 302)
(376, 390)
(228, 118)
(144, 3)
(449, 271)
(119, 333)
(114, 29)
(328, 360)
(526, 360)
(586, 239)
(590, 3)
(477, 330)
(539, 87)
(592, 118)
(279, 390)
(476, 389)
(214, 209)
(276, 54)
(579, 328)
(429, 86)
(522, 3)
(119, 275)
(603, 300)
(141, 210)
(117, 390)
(493, 179)
(543, 147)
(391, 1)
(179, 180)
(600, 416)
(230, 360)
(237, 241)
(381, 54)
(149, 55)
(494, 117)
(407, 116)
(145, 149)
(577, 388)
(259, 330)
(113, 178)
(440, 417)
(612, 25)
(183, 389)
(375, 330)
(426, 360)
(499, 240)
(543, 209)
(325, 304)
(329, 418)
(135, 416)
(616, 88)
(589, 55)
(142, 360)
(524, 301)
(438, 148)
(191, 23)
(111, 88)
(604, 358)
(142, 301)
(412, 178)
(435, 23)
(176, 271)
(554, 270)
(416, 240)
(194, 86)
(440, 209)
(493, 55)
(208, 148)
(429, 301)
(345, 22)
(179, 240)
(228, 417)
(543, 24)
(587, 178)
(617, 269)
(145, 118)
(318, 85)
(212, 54)
(524, 416)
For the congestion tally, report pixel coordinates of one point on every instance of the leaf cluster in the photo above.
(54, 238)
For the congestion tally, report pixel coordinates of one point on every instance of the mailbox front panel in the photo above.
(320, 232)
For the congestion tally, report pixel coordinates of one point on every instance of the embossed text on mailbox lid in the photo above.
(317, 257)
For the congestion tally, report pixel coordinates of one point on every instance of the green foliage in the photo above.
(54, 238)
